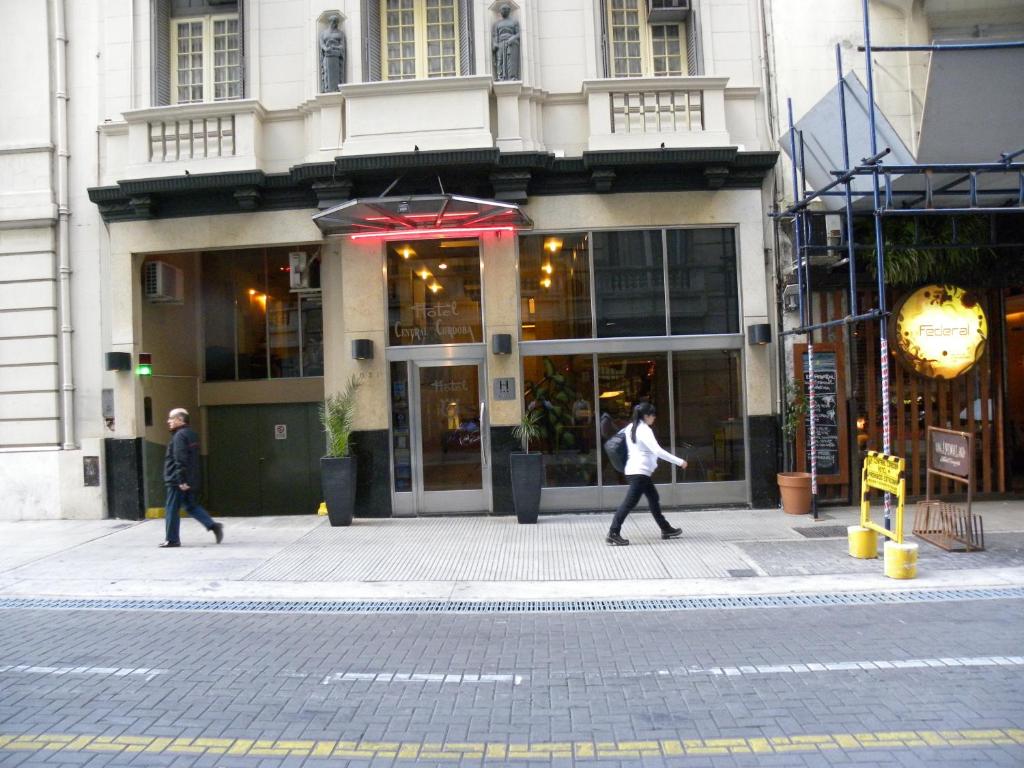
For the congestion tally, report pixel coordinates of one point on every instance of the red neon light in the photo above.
(409, 233)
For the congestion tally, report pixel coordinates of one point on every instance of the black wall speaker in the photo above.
(501, 343)
(759, 334)
(362, 349)
(118, 361)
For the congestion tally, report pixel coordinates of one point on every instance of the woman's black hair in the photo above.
(641, 410)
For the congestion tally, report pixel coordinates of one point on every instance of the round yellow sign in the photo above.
(941, 331)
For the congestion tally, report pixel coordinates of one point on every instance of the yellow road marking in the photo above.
(500, 751)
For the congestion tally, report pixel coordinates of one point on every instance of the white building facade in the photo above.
(160, 188)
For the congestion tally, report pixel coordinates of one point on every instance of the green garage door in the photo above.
(264, 459)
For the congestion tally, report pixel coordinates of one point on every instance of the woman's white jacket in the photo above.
(645, 452)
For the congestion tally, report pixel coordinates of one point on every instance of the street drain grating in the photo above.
(823, 532)
(516, 606)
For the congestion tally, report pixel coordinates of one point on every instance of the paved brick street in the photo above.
(775, 686)
(478, 642)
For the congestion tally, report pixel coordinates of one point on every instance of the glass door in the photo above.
(451, 474)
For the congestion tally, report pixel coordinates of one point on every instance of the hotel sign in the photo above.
(941, 331)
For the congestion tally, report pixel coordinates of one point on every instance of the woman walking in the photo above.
(641, 462)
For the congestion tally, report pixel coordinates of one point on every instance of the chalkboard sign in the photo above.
(829, 413)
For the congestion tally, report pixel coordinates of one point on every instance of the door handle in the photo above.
(483, 447)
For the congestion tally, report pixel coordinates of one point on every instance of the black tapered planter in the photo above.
(527, 478)
(338, 480)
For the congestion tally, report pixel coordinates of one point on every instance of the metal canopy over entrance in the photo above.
(420, 215)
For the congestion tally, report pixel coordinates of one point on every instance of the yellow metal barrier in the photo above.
(883, 473)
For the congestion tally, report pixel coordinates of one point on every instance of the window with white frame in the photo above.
(206, 59)
(419, 39)
(637, 48)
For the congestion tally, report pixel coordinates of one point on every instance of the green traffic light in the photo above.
(144, 369)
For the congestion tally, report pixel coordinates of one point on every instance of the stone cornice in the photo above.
(516, 176)
(204, 109)
(426, 85)
(631, 84)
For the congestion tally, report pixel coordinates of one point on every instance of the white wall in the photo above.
(109, 62)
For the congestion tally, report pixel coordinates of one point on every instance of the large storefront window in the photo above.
(699, 419)
(623, 382)
(703, 297)
(562, 389)
(623, 273)
(256, 324)
(434, 292)
(629, 272)
(554, 277)
(708, 415)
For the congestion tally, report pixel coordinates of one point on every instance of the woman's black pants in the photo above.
(639, 485)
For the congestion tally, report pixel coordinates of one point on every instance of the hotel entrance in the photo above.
(439, 437)
(437, 379)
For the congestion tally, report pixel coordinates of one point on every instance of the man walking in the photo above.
(181, 476)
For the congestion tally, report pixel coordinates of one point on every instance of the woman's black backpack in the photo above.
(617, 450)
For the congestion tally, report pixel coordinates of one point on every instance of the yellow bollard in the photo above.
(322, 509)
(863, 542)
(900, 560)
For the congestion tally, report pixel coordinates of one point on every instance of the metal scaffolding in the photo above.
(966, 194)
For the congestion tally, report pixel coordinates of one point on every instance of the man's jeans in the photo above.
(176, 499)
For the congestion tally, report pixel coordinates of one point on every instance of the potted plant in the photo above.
(794, 487)
(338, 466)
(527, 468)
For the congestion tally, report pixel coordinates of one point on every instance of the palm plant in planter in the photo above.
(527, 468)
(338, 466)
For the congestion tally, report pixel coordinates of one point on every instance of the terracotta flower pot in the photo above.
(795, 489)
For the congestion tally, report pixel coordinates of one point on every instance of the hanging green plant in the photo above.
(914, 252)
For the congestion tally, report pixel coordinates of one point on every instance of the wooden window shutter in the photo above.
(371, 40)
(466, 58)
(606, 53)
(694, 57)
(241, 49)
(161, 53)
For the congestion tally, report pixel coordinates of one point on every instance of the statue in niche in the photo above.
(332, 56)
(505, 46)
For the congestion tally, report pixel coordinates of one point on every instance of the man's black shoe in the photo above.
(672, 533)
(218, 532)
(168, 544)
(616, 540)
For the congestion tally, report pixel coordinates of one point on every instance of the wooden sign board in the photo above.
(831, 436)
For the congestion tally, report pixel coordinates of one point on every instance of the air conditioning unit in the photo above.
(298, 274)
(162, 283)
(667, 11)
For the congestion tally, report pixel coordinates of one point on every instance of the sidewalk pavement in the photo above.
(722, 552)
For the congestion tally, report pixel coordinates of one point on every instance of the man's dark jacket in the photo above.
(181, 462)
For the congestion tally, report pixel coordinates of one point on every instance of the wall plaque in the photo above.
(91, 470)
(505, 388)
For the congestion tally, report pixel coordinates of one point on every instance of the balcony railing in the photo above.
(191, 138)
(638, 113)
(224, 135)
(656, 111)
